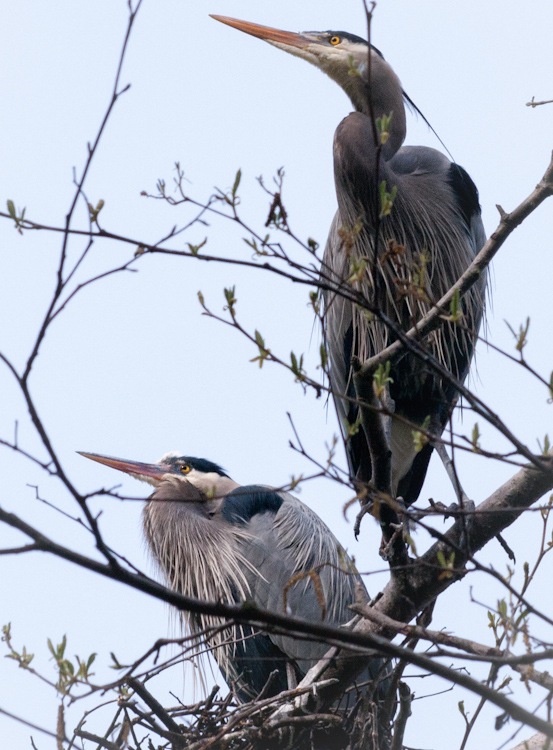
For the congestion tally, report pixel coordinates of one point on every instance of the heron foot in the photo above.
(468, 509)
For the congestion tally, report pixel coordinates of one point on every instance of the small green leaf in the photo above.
(367, 314)
(381, 379)
(526, 569)
(294, 482)
(13, 215)
(383, 127)
(386, 199)
(66, 668)
(297, 367)
(520, 619)
(315, 301)
(352, 428)
(312, 245)
(504, 684)
(420, 438)
(348, 235)
(95, 211)
(195, 248)
(455, 307)
(255, 247)
(475, 438)
(357, 270)
(230, 297)
(116, 664)
(446, 564)
(420, 275)
(521, 337)
(236, 182)
(324, 357)
(263, 351)
(546, 446)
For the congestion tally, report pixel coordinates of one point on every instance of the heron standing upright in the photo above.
(424, 242)
(215, 540)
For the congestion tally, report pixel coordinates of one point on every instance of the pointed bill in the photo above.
(268, 34)
(135, 468)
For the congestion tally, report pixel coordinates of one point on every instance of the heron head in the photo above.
(341, 55)
(175, 471)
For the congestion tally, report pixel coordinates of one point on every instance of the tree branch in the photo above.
(434, 318)
(400, 599)
(403, 598)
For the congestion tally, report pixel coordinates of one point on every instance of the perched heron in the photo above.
(218, 541)
(424, 243)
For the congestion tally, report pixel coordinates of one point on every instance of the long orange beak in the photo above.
(151, 471)
(267, 33)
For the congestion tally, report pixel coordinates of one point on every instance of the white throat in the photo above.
(211, 484)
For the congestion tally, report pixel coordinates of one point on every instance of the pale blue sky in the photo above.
(132, 369)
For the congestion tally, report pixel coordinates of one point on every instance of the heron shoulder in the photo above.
(245, 502)
(422, 160)
(296, 526)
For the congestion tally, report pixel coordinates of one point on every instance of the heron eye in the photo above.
(184, 469)
(334, 40)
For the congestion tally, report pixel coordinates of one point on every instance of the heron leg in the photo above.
(440, 449)
(464, 502)
(390, 405)
(466, 505)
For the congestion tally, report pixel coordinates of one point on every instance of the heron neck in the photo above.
(185, 540)
(383, 97)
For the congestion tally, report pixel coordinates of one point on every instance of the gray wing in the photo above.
(286, 546)
(283, 541)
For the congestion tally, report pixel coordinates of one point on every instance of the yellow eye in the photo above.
(334, 40)
(184, 469)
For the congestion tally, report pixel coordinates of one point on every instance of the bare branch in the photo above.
(402, 597)
(507, 224)
(405, 596)
(400, 723)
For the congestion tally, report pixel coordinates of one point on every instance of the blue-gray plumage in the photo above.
(217, 541)
(427, 241)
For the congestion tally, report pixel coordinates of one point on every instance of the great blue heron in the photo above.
(218, 541)
(424, 244)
